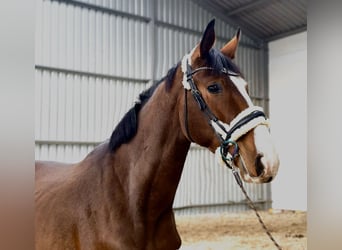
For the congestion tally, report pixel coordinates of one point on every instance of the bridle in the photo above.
(227, 134)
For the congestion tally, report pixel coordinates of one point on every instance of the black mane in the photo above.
(128, 126)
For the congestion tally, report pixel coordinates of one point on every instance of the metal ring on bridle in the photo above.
(225, 154)
(229, 143)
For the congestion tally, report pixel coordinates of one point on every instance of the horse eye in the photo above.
(214, 88)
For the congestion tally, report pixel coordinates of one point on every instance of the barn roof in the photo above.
(262, 20)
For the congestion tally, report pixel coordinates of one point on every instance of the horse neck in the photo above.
(155, 156)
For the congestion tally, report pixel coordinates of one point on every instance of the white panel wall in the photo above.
(288, 83)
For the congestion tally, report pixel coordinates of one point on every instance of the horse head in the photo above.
(219, 114)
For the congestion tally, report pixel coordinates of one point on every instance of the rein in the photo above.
(245, 121)
(252, 206)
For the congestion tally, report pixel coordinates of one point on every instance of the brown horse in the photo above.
(120, 196)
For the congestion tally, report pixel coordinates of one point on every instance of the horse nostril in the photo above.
(259, 167)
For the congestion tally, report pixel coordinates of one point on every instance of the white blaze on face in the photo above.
(241, 85)
(262, 138)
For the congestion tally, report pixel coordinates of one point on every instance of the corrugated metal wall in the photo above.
(94, 57)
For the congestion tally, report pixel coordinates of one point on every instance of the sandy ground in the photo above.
(243, 231)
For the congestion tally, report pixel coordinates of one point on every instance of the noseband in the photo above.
(227, 134)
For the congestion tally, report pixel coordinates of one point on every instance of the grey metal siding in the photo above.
(93, 58)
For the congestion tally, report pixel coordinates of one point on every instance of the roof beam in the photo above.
(287, 33)
(217, 11)
(248, 6)
(104, 9)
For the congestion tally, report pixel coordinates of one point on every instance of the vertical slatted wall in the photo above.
(94, 57)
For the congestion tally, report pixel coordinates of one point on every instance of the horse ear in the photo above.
(230, 48)
(208, 39)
